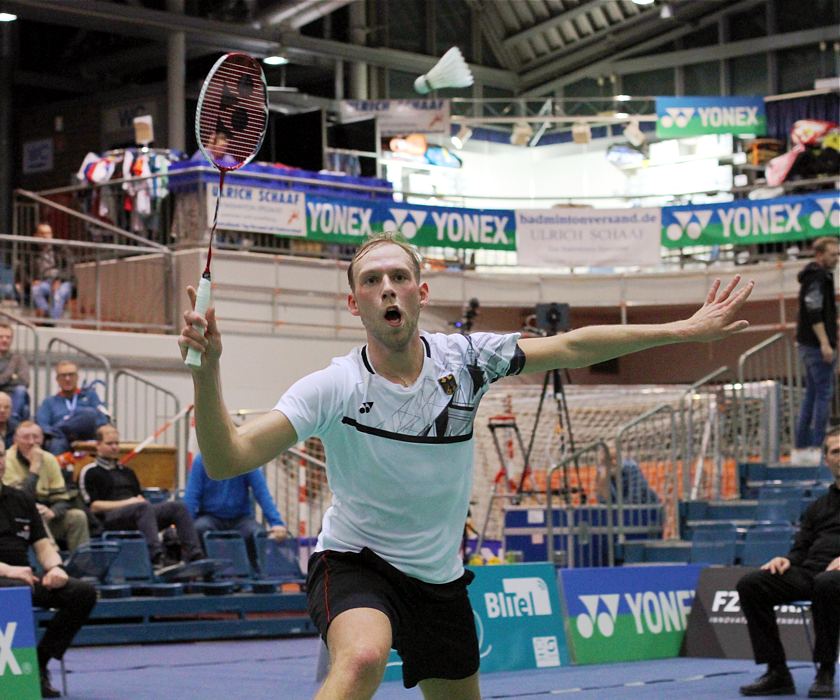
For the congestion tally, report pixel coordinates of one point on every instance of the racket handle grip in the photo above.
(202, 302)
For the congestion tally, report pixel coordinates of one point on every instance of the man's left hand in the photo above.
(46, 513)
(55, 578)
(278, 532)
(717, 318)
(834, 565)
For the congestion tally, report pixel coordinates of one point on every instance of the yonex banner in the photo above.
(574, 237)
(19, 677)
(352, 220)
(517, 617)
(678, 117)
(629, 613)
(745, 222)
(395, 117)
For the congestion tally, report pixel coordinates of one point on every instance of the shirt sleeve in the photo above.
(495, 353)
(261, 493)
(195, 486)
(312, 403)
(95, 486)
(805, 535)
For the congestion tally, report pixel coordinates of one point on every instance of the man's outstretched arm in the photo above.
(226, 449)
(716, 319)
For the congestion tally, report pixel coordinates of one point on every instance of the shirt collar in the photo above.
(107, 463)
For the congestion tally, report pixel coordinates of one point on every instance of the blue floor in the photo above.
(285, 670)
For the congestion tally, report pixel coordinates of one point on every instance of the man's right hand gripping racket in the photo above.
(230, 124)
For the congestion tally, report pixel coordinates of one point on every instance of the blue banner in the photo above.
(679, 117)
(744, 222)
(628, 613)
(19, 673)
(517, 617)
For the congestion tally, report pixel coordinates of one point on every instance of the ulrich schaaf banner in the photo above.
(396, 117)
(628, 613)
(258, 210)
(679, 117)
(343, 220)
(517, 619)
(574, 237)
(744, 222)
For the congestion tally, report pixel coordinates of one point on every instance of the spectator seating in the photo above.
(279, 560)
(714, 544)
(779, 504)
(765, 541)
(92, 560)
(229, 545)
(133, 567)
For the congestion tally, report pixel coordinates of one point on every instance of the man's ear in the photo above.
(424, 294)
(352, 306)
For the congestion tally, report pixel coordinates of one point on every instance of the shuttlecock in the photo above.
(450, 71)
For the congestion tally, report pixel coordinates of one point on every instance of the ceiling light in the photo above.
(461, 138)
(622, 98)
(621, 115)
(276, 60)
(666, 12)
(7, 17)
(644, 2)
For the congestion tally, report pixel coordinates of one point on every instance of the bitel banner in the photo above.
(628, 613)
(718, 629)
(745, 222)
(679, 117)
(517, 617)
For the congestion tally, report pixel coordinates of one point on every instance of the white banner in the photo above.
(258, 209)
(396, 117)
(576, 237)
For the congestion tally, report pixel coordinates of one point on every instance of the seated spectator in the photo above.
(7, 422)
(51, 284)
(634, 486)
(72, 413)
(113, 493)
(37, 472)
(227, 505)
(14, 374)
(21, 527)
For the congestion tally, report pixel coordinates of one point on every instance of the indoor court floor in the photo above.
(285, 670)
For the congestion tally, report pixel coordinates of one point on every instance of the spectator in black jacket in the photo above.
(21, 527)
(816, 336)
(113, 493)
(811, 571)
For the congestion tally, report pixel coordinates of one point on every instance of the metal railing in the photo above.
(767, 395)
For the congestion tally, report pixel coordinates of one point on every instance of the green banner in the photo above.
(745, 222)
(681, 117)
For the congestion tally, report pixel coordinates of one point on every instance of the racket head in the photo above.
(232, 112)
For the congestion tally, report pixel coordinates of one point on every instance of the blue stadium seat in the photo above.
(714, 545)
(229, 545)
(133, 567)
(779, 503)
(279, 560)
(765, 541)
(92, 560)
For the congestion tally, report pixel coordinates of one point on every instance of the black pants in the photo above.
(73, 601)
(759, 591)
(149, 518)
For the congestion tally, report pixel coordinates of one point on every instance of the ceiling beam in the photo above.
(537, 85)
(491, 26)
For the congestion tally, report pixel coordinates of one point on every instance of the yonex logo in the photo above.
(404, 221)
(7, 657)
(677, 116)
(828, 212)
(604, 620)
(690, 223)
(365, 407)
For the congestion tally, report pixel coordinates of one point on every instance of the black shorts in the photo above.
(432, 624)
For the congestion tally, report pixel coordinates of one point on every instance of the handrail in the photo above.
(36, 360)
(69, 243)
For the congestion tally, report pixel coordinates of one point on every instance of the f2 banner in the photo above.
(351, 221)
(744, 222)
(19, 677)
(627, 614)
(517, 619)
(678, 117)
(588, 237)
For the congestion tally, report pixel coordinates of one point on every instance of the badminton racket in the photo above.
(230, 124)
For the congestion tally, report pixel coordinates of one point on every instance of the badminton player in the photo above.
(396, 418)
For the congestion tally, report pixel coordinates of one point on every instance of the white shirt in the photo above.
(399, 459)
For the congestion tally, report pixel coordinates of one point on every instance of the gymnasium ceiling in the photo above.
(70, 48)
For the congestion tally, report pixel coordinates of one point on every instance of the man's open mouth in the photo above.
(393, 315)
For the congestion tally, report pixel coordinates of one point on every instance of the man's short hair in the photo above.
(830, 433)
(821, 244)
(102, 429)
(24, 424)
(382, 239)
(64, 363)
(6, 324)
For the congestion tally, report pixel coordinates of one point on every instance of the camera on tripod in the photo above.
(553, 318)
